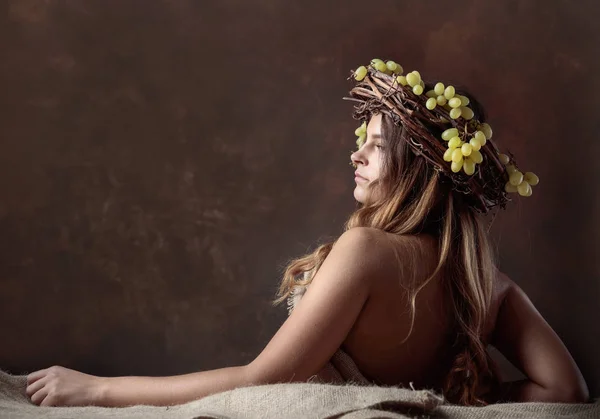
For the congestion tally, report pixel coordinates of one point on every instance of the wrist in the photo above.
(101, 391)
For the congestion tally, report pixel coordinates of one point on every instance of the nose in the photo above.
(357, 157)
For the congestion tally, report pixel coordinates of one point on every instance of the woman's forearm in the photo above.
(528, 391)
(164, 391)
(521, 391)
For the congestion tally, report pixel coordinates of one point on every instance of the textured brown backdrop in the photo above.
(161, 160)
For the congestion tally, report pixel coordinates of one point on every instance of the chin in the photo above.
(359, 194)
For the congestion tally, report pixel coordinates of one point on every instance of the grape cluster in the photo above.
(361, 133)
(412, 79)
(463, 149)
(517, 181)
(389, 67)
(446, 96)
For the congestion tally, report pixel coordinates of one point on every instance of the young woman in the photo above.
(409, 294)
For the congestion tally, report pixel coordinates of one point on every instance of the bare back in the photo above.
(375, 341)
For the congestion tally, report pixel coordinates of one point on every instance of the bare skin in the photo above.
(356, 301)
(514, 326)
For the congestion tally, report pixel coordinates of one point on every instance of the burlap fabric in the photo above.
(294, 401)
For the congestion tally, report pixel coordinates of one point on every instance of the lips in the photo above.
(358, 176)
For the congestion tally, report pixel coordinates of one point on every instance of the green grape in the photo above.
(361, 140)
(413, 79)
(431, 93)
(448, 155)
(399, 69)
(457, 155)
(418, 74)
(532, 178)
(455, 113)
(449, 133)
(402, 80)
(456, 166)
(454, 102)
(454, 142)
(516, 178)
(375, 61)
(380, 66)
(361, 130)
(439, 88)
(524, 189)
(469, 166)
(510, 169)
(476, 156)
(360, 73)
(504, 159)
(475, 145)
(465, 100)
(487, 130)
(449, 92)
(466, 149)
(392, 66)
(418, 89)
(480, 136)
(441, 100)
(510, 188)
(422, 84)
(467, 113)
(431, 103)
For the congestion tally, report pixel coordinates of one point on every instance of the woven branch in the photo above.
(381, 93)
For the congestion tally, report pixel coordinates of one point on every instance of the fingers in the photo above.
(48, 401)
(35, 386)
(34, 376)
(40, 396)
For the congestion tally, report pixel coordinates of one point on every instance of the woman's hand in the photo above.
(59, 386)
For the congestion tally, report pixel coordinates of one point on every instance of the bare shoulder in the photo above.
(502, 285)
(370, 243)
(364, 235)
(381, 240)
(504, 279)
(370, 250)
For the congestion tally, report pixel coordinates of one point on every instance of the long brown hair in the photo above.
(416, 199)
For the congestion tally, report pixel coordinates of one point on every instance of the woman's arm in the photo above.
(164, 391)
(528, 341)
(58, 386)
(301, 347)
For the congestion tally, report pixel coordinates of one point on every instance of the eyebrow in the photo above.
(376, 136)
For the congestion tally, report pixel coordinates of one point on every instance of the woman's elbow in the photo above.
(572, 394)
(580, 395)
(258, 374)
(261, 373)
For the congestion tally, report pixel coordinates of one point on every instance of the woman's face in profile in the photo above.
(368, 160)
